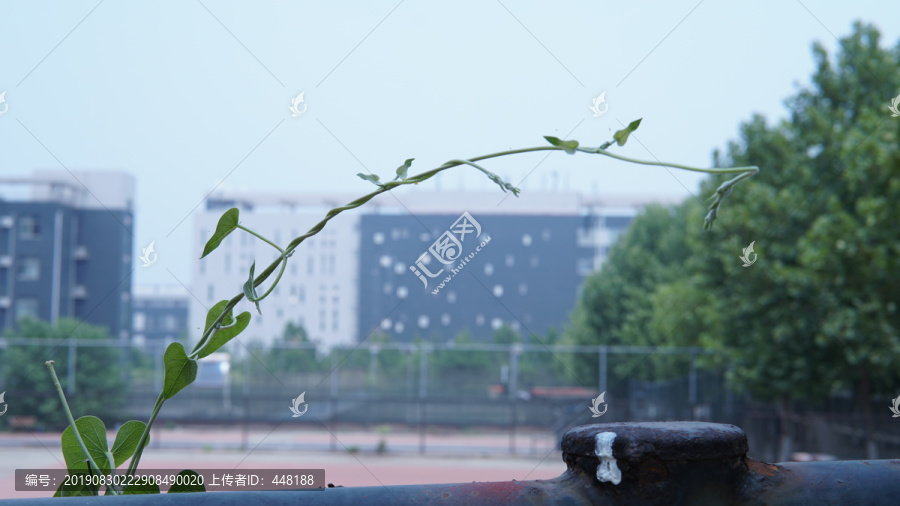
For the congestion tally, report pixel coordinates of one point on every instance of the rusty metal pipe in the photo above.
(655, 463)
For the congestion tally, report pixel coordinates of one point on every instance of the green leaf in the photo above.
(622, 135)
(568, 146)
(76, 490)
(223, 335)
(181, 371)
(214, 313)
(93, 433)
(370, 177)
(250, 290)
(401, 170)
(127, 439)
(227, 223)
(194, 484)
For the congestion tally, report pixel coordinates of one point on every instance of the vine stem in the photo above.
(65, 404)
(721, 193)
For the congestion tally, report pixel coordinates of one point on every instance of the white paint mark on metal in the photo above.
(607, 470)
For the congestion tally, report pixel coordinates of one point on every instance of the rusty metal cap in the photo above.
(669, 441)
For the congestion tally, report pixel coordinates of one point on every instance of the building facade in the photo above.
(160, 315)
(355, 278)
(65, 248)
(523, 271)
(318, 287)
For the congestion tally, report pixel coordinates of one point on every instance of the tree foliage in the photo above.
(98, 374)
(817, 313)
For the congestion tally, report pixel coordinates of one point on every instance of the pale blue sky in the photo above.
(187, 94)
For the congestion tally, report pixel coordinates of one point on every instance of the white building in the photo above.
(318, 287)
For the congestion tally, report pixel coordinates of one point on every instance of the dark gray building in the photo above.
(160, 315)
(65, 249)
(524, 271)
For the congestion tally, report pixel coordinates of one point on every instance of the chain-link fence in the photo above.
(420, 386)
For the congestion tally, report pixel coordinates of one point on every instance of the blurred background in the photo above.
(594, 296)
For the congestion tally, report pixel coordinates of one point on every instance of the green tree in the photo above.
(98, 374)
(617, 303)
(293, 351)
(818, 313)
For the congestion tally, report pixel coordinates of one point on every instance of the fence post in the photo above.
(692, 382)
(423, 392)
(601, 368)
(332, 396)
(514, 352)
(70, 384)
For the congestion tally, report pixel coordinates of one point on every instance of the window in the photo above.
(498, 291)
(334, 319)
(293, 289)
(140, 321)
(322, 319)
(310, 265)
(26, 307)
(29, 269)
(170, 323)
(526, 240)
(29, 227)
(302, 293)
(227, 262)
(209, 292)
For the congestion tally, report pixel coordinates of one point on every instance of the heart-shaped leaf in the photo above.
(250, 290)
(190, 483)
(93, 433)
(127, 439)
(622, 135)
(181, 371)
(214, 313)
(227, 223)
(568, 146)
(221, 336)
(77, 489)
(401, 170)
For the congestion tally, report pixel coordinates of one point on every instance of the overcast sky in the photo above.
(193, 94)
